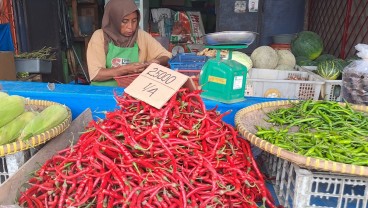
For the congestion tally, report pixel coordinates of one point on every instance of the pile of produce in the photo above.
(138, 156)
(265, 57)
(308, 47)
(320, 129)
(20, 123)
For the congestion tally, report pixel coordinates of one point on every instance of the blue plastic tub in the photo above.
(187, 61)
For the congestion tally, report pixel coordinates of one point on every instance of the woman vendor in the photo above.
(120, 47)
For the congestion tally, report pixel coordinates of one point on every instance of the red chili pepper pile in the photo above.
(179, 156)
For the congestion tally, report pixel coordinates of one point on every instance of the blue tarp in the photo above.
(6, 41)
(100, 99)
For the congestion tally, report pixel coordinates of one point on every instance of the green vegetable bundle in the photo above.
(45, 53)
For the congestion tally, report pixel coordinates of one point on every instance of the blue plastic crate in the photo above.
(187, 61)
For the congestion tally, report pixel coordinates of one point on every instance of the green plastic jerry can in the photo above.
(223, 80)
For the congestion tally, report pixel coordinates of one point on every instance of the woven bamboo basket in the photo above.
(247, 118)
(36, 105)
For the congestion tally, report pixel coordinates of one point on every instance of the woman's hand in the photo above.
(107, 74)
(134, 68)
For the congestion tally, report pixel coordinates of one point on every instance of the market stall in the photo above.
(200, 121)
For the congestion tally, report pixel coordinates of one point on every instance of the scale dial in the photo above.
(177, 49)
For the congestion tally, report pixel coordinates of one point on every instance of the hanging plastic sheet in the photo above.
(6, 41)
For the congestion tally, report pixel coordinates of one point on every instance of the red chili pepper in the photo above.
(54, 202)
(27, 200)
(122, 148)
(86, 196)
(173, 161)
(70, 177)
(63, 194)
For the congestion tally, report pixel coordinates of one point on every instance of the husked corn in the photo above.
(11, 131)
(10, 108)
(3, 94)
(50, 117)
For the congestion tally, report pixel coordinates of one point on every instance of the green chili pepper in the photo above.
(362, 163)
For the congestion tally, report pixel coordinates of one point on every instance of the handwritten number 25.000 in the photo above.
(161, 75)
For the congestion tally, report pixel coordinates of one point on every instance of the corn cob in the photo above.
(10, 108)
(3, 94)
(50, 117)
(11, 131)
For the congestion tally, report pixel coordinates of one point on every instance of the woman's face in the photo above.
(129, 24)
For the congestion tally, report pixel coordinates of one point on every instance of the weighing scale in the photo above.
(223, 80)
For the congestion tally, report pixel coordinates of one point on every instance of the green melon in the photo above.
(341, 63)
(304, 61)
(308, 44)
(325, 57)
(329, 69)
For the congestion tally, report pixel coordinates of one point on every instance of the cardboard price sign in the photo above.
(156, 85)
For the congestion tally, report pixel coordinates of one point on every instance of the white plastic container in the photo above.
(283, 84)
(297, 187)
(10, 164)
(331, 89)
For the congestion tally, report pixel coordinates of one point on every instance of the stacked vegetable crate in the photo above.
(297, 187)
(331, 89)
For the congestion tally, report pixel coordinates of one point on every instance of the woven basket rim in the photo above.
(39, 139)
(302, 161)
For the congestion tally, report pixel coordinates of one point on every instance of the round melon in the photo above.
(341, 63)
(308, 44)
(329, 69)
(325, 57)
(304, 61)
(286, 58)
(264, 57)
(285, 67)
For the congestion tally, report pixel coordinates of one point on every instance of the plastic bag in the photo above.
(355, 78)
(6, 41)
(187, 28)
(359, 65)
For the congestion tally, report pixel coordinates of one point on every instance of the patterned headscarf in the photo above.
(115, 11)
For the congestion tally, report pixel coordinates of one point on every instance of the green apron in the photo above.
(116, 53)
